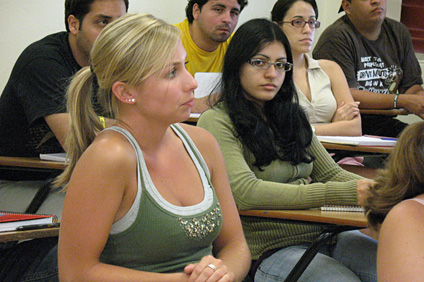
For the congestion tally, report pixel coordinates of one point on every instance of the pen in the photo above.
(37, 226)
(389, 138)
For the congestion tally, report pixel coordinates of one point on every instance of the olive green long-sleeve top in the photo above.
(280, 185)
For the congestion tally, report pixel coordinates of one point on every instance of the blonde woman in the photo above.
(148, 198)
(397, 205)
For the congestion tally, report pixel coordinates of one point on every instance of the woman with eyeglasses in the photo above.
(274, 160)
(320, 84)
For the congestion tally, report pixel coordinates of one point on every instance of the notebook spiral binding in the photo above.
(340, 208)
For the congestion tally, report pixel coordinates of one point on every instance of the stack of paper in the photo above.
(11, 221)
(206, 83)
(360, 140)
(56, 157)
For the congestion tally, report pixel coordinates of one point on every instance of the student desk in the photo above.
(194, 117)
(342, 151)
(361, 149)
(34, 164)
(355, 219)
(335, 222)
(386, 112)
(30, 163)
(11, 236)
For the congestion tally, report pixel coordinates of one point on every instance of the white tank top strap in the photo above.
(421, 201)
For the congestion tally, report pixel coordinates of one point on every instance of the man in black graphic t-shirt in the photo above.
(377, 57)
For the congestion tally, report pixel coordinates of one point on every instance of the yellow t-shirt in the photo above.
(198, 59)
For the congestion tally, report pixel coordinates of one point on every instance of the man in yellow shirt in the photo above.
(206, 33)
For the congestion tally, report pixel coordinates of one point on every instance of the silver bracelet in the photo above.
(395, 101)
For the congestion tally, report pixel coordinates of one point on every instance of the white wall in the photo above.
(25, 21)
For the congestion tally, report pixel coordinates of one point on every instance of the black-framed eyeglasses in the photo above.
(302, 23)
(266, 64)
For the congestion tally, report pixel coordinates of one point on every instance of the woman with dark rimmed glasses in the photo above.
(273, 159)
(320, 84)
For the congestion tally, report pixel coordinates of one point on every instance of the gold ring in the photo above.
(212, 266)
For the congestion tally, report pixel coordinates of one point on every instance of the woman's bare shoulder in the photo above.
(203, 139)
(197, 134)
(112, 148)
(406, 213)
(328, 65)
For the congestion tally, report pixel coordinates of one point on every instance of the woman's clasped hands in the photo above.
(208, 269)
(346, 111)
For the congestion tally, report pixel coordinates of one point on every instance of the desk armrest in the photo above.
(387, 112)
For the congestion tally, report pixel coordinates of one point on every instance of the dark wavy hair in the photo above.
(403, 176)
(190, 4)
(80, 8)
(280, 9)
(281, 129)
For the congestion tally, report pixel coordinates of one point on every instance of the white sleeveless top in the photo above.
(323, 105)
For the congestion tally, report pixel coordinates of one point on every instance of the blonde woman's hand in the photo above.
(346, 111)
(363, 187)
(209, 269)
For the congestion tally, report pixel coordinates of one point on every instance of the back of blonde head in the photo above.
(128, 50)
(403, 177)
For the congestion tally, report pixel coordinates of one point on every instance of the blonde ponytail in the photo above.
(84, 123)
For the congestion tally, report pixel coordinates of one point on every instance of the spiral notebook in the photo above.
(340, 208)
(10, 221)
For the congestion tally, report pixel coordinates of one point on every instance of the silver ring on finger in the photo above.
(211, 266)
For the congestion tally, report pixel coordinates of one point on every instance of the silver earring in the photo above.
(131, 100)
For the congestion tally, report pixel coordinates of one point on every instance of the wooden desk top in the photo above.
(29, 234)
(387, 112)
(364, 149)
(31, 163)
(356, 219)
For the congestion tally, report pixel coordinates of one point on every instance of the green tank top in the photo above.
(164, 238)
